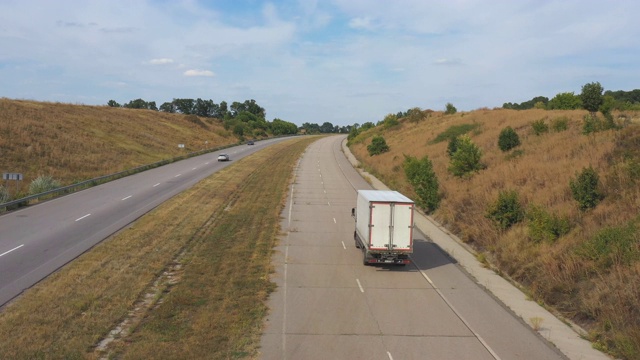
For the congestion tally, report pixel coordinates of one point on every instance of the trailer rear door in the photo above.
(380, 221)
(402, 238)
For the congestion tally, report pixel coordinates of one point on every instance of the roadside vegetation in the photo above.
(549, 197)
(188, 280)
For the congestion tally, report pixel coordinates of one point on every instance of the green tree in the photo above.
(112, 103)
(450, 109)
(508, 139)
(586, 188)
(423, 179)
(326, 128)
(591, 96)
(378, 146)
(507, 210)
(565, 101)
(466, 159)
(168, 107)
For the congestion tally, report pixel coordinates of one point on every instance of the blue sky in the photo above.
(342, 61)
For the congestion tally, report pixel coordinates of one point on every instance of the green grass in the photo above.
(216, 238)
(454, 131)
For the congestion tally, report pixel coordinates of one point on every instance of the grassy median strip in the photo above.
(221, 233)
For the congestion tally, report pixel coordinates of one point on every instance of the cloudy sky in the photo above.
(342, 61)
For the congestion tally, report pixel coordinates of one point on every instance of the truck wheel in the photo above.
(365, 258)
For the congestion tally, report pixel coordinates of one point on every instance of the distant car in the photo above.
(223, 157)
(250, 142)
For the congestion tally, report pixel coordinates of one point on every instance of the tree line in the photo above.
(244, 119)
(617, 100)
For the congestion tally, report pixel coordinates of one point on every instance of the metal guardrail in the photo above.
(14, 204)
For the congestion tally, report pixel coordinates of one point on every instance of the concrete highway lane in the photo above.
(37, 240)
(328, 305)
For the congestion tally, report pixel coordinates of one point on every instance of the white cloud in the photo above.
(363, 23)
(199, 73)
(161, 61)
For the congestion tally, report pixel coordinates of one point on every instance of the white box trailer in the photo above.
(384, 226)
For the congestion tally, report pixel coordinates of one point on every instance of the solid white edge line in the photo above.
(80, 218)
(484, 343)
(128, 197)
(360, 285)
(15, 248)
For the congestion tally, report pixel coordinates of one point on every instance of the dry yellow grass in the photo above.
(541, 175)
(76, 142)
(225, 227)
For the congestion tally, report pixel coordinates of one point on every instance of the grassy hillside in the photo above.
(76, 142)
(590, 274)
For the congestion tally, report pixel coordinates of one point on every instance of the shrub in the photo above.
(421, 176)
(466, 159)
(508, 139)
(592, 123)
(540, 127)
(585, 188)
(42, 184)
(544, 226)
(4, 195)
(452, 146)
(506, 211)
(378, 146)
(560, 124)
(390, 120)
(450, 109)
(612, 246)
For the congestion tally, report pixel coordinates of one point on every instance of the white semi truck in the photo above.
(384, 226)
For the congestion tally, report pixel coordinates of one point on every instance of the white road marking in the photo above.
(334, 221)
(344, 246)
(206, 163)
(127, 197)
(484, 343)
(178, 175)
(80, 218)
(389, 355)
(359, 285)
(15, 248)
(156, 184)
(194, 168)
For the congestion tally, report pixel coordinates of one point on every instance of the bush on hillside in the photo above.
(544, 226)
(452, 146)
(508, 139)
(450, 109)
(612, 246)
(378, 146)
(421, 176)
(42, 184)
(466, 159)
(586, 189)
(540, 127)
(390, 120)
(4, 195)
(560, 124)
(507, 210)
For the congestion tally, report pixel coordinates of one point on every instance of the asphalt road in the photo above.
(37, 240)
(328, 305)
